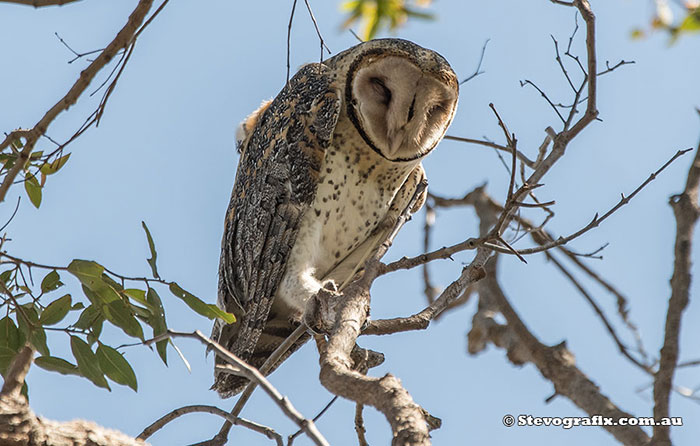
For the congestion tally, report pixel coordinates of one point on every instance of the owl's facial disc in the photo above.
(404, 111)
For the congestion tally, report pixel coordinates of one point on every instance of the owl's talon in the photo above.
(330, 285)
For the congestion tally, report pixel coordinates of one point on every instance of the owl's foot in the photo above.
(321, 308)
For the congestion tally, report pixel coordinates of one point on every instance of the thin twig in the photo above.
(9, 220)
(544, 95)
(599, 311)
(318, 31)
(360, 426)
(200, 408)
(264, 369)
(291, 438)
(477, 71)
(289, 37)
(123, 38)
(240, 367)
(528, 162)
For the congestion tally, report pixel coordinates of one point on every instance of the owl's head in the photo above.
(401, 97)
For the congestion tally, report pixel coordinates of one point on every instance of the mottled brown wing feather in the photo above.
(275, 184)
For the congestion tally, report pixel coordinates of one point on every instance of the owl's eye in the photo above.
(382, 91)
(437, 109)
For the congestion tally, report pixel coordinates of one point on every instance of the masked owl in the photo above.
(323, 168)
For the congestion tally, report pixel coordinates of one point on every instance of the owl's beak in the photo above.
(396, 140)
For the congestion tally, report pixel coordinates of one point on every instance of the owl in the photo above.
(324, 170)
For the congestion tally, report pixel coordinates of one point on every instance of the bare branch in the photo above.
(360, 426)
(610, 69)
(264, 369)
(599, 311)
(14, 378)
(408, 421)
(289, 37)
(686, 209)
(557, 364)
(420, 321)
(318, 31)
(199, 408)
(544, 95)
(124, 38)
(291, 438)
(477, 71)
(591, 111)
(40, 3)
(240, 367)
(20, 426)
(528, 162)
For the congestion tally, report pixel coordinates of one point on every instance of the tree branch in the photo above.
(123, 39)
(167, 418)
(686, 209)
(407, 419)
(14, 379)
(19, 426)
(240, 367)
(40, 3)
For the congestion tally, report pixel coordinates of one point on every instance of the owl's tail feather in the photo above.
(228, 385)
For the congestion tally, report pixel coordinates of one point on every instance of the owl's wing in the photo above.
(275, 185)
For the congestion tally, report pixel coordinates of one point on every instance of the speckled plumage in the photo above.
(315, 191)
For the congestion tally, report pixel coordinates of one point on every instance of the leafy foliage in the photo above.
(377, 14)
(674, 18)
(33, 310)
(36, 169)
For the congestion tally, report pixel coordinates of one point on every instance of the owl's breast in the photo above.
(355, 190)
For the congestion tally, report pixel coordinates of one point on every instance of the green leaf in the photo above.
(88, 317)
(691, 22)
(56, 311)
(31, 185)
(5, 276)
(116, 367)
(119, 313)
(207, 310)
(152, 247)
(6, 357)
(32, 328)
(88, 363)
(87, 271)
(419, 15)
(157, 322)
(111, 282)
(77, 306)
(55, 165)
(90, 275)
(51, 282)
(9, 334)
(96, 330)
(54, 364)
(136, 294)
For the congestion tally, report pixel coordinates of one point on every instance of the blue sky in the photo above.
(164, 153)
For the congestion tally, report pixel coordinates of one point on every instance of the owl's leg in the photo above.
(321, 309)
